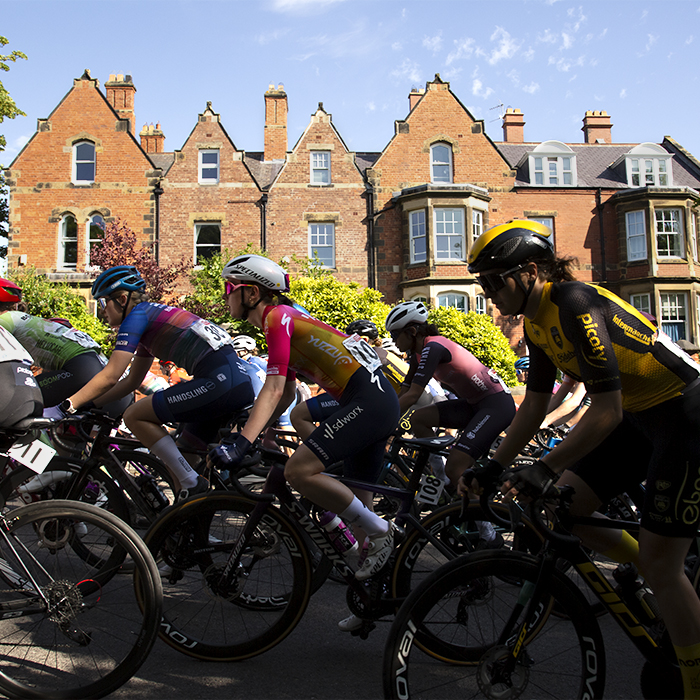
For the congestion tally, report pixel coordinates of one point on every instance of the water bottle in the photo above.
(635, 594)
(341, 536)
(155, 497)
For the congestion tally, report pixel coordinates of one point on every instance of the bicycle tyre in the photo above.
(462, 608)
(204, 617)
(94, 636)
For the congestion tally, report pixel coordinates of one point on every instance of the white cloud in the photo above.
(567, 41)
(561, 64)
(651, 40)
(433, 43)
(603, 33)
(623, 93)
(514, 76)
(464, 48)
(479, 91)
(578, 17)
(270, 37)
(532, 88)
(547, 37)
(370, 107)
(506, 48)
(645, 13)
(397, 46)
(408, 71)
(302, 6)
(451, 73)
(528, 55)
(690, 39)
(12, 148)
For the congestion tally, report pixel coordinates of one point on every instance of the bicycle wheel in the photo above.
(467, 615)
(418, 557)
(210, 616)
(77, 630)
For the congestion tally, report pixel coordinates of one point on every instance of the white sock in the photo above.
(437, 464)
(179, 467)
(486, 530)
(370, 522)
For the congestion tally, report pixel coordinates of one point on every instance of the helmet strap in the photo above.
(124, 307)
(527, 290)
(247, 309)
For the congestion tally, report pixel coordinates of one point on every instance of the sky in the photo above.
(552, 59)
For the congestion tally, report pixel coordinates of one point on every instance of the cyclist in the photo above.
(68, 358)
(147, 330)
(347, 368)
(643, 421)
(484, 406)
(20, 396)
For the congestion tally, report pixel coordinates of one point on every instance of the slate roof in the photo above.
(366, 160)
(162, 161)
(594, 161)
(263, 171)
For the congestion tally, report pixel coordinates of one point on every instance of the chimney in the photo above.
(414, 96)
(120, 94)
(513, 126)
(152, 138)
(275, 123)
(597, 127)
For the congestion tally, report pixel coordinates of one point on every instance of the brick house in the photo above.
(401, 220)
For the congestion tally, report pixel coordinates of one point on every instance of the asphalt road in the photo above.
(319, 661)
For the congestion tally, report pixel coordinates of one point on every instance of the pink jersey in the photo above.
(298, 342)
(456, 369)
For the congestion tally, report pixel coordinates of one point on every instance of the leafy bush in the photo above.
(479, 334)
(58, 300)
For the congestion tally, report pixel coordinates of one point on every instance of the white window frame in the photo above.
(636, 235)
(94, 220)
(320, 167)
(444, 165)
(477, 223)
(416, 233)
(447, 298)
(322, 238)
(665, 220)
(64, 241)
(552, 164)
(446, 220)
(547, 221)
(205, 176)
(420, 297)
(674, 315)
(694, 235)
(641, 302)
(648, 165)
(480, 304)
(78, 178)
(200, 248)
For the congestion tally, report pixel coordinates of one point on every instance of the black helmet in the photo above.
(509, 245)
(364, 327)
(125, 277)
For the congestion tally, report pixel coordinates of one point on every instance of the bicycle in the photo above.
(73, 622)
(505, 624)
(238, 571)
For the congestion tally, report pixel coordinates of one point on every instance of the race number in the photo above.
(215, 336)
(83, 339)
(430, 489)
(36, 455)
(363, 352)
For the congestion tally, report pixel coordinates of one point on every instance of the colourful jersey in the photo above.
(170, 334)
(394, 368)
(300, 343)
(51, 344)
(455, 368)
(599, 339)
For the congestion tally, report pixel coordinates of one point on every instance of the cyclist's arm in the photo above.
(268, 405)
(433, 354)
(132, 381)
(525, 424)
(103, 381)
(566, 408)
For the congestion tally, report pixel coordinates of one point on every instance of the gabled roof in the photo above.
(264, 172)
(365, 160)
(162, 161)
(594, 164)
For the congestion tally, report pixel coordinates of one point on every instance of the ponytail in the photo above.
(557, 269)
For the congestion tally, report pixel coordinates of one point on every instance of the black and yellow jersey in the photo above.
(599, 339)
(394, 368)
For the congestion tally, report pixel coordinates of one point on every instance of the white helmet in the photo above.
(404, 314)
(256, 269)
(244, 342)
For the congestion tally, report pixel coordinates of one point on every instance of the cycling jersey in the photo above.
(51, 344)
(300, 343)
(454, 367)
(170, 334)
(596, 337)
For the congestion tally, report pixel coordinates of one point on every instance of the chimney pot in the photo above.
(275, 123)
(597, 127)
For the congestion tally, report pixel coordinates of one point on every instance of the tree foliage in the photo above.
(58, 300)
(8, 108)
(479, 334)
(120, 247)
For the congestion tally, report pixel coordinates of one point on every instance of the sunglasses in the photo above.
(395, 334)
(496, 281)
(230, 288)
(103, 301)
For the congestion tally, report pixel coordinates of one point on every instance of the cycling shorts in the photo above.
(218, 389)
(481, 423)
(662, 445)
(20, 396)
(57, 385)
(357, 430)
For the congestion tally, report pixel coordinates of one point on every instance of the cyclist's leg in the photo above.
(304, 416)
(59, 384)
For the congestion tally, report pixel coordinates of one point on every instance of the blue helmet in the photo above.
(523, 363)
(125, 277)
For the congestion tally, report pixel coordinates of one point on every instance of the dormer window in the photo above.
(647, 165)
(552, 164)
(84, 163)
(441, 163)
